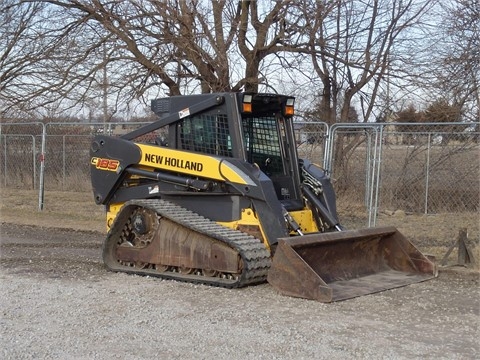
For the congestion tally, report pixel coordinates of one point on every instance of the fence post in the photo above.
(41, 192)
(326, 150)
(4, 160)
(378, 177)
(64, 160)
(374, 185)
(368, 161)
(427, 172)
(34, 163)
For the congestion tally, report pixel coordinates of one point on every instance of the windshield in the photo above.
(261, 141)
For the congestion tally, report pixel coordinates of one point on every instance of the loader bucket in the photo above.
(340, 265)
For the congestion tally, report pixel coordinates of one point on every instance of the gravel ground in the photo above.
(58, 302)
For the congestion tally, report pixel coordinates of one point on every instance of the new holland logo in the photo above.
(174, 162)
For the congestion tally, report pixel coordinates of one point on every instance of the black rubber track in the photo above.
(256, 258)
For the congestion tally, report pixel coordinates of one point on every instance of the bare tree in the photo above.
(128, 49)
(354, 45)
(20, 49)
(458, 74)
(351, 44)
(185, 44)
(173, 45)
(51, 60)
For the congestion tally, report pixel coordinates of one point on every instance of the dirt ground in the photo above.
(432, 234)
(58, 301)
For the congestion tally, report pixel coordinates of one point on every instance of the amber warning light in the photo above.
(289, 107)
(247, 103)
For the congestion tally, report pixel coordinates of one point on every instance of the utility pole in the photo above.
(105, 89)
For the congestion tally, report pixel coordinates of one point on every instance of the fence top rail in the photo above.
(310, 122)
(382, 125)
(40, 123)
(19, 135)
(363, 124)
(379, 124)
(434, 132)
(101, 124)
(22, 123)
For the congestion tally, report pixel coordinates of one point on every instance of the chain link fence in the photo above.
(311, 140)
(432, 169)
(419, 168)
(20, 154)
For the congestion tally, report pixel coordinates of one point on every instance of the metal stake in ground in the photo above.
(465, 254)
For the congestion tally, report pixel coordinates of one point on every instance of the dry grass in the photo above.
(432, 234)
(453, 176)
(74, 210)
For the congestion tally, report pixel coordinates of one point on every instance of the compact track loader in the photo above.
(214, 193)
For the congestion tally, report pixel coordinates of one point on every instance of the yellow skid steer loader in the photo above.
(221, 198)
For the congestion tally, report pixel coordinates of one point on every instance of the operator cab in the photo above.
(256, 128)
(269, 142)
